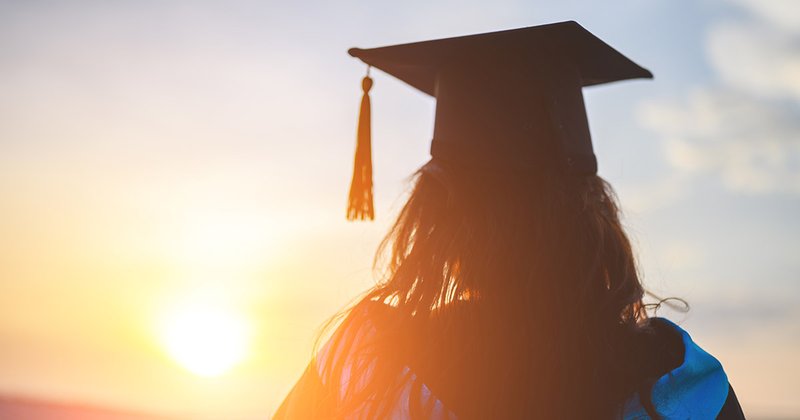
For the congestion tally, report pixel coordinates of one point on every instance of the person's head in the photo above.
(542, 268)
(551, 240)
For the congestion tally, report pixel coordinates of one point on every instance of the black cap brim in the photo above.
(419, 63)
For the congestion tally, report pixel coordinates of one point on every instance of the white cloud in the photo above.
(745, 129)
(752, 144)
(649, 196)
(683, 255)
(783, 13)
(761, 59)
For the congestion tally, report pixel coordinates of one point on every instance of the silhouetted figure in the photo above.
(512, 290)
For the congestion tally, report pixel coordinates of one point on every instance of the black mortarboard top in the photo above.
(505, 100)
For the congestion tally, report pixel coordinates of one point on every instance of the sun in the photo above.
(207, 341)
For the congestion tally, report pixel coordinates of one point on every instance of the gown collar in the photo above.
(696, 389)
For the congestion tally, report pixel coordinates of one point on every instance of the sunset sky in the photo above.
(164, 162)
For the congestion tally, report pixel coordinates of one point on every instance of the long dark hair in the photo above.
(541, 277)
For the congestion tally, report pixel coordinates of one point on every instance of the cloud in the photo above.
(761, 59)
(745, 127)
(650, 196)
(752, 144)
(683, 255)
(782, 13)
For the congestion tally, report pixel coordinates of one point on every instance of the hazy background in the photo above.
(158, 153)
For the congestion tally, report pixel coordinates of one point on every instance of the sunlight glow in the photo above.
(207, 341)
(221, 238)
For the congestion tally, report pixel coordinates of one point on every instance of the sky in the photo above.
(158, 156)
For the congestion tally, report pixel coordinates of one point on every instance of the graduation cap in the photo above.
(505, 101)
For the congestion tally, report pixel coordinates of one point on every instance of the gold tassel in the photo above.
(359, 205)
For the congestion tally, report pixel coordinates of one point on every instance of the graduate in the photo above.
(511, 289)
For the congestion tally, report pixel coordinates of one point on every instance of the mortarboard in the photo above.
(507, 100)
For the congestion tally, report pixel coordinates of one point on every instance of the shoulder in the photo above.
(314, 396)
(697, 388)
(356, 329)
(349, 356)
(366, 353)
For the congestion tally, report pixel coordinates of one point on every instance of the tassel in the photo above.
(359, 205)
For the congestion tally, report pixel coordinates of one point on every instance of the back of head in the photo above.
(514, 293)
